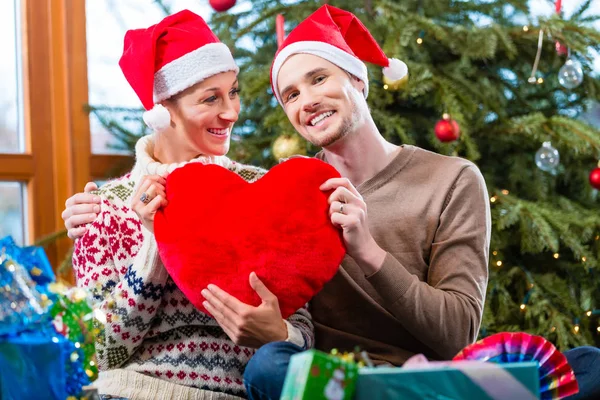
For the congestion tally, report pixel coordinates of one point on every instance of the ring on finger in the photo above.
(342, 208)
(145, 198)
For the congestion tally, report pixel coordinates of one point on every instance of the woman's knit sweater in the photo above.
(146, 324)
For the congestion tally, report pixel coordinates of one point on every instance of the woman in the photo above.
(153, 343)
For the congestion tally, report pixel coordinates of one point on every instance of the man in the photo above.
(416, 224)
(415, 276)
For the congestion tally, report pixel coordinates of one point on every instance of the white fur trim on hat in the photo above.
(194, 67)
(341, 58)
(396, 70)
(158, 118)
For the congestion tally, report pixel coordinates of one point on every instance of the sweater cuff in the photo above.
(392, 280)
(294, 335)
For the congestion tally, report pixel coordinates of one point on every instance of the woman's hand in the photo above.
(149, 197)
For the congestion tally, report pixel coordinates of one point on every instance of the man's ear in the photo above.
(357, 83)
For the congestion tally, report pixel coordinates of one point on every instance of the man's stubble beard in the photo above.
(348, 125)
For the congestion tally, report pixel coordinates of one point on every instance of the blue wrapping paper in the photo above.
(450, 381)
(33, 258)
(20, 301)
(32, 366)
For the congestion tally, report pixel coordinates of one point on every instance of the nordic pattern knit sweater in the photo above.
(146, 324)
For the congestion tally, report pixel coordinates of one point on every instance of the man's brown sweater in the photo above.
(431, 214)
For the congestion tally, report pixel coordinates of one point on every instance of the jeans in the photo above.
(585, 362)
(265, 373)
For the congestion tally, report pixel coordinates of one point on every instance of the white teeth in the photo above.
(320, 117)
(219, 131)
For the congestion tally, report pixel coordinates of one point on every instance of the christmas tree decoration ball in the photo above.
(395, 85)
(547, 157)
(595, 178)
(286, 146)
(222, 5)
(447, 129)
(561, 49)
(570, 75)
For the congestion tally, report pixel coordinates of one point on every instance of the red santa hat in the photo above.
(339, 37)
(169, 57)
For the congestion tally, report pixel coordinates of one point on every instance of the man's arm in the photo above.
(445, 312)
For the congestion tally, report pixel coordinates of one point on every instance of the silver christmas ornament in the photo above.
(547, 157)
(570, 75)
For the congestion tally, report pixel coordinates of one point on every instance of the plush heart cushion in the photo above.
(218, 228)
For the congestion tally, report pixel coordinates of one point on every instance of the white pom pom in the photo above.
(158, 118)
(396, 70)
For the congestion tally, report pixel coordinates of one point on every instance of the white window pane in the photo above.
(11, 132)
(12, 211)
(107, 22)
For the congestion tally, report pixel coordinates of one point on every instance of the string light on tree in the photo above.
(420, 38)
(447, 129)
(547, 157)
(221, 5)
(595, 179)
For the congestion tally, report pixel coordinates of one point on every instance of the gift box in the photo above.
(36, 365)
(462, 380)
(33, 258)
(316, 375)
(37, 361)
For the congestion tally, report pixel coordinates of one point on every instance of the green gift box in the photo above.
(316, 375)
(462, 380)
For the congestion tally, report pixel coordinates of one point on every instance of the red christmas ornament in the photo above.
(221, 5)
(561, 49)
(595, 177)
(447, 129)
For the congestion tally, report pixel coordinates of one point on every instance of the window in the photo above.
(11, 132)
(12, 195)
(12, 211)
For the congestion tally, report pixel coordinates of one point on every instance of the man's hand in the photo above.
(81, 209)
(244, 324)
(348, 212)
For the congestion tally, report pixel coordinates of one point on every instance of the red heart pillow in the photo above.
(218, 228)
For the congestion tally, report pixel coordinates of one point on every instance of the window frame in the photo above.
(58, 160)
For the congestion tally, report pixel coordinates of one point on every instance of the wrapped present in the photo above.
(21, 303)
(36, 361)
(40, 365)
(316, 375)
(33, 258)
(450, 380)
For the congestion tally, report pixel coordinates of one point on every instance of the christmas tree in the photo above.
(490, 83)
